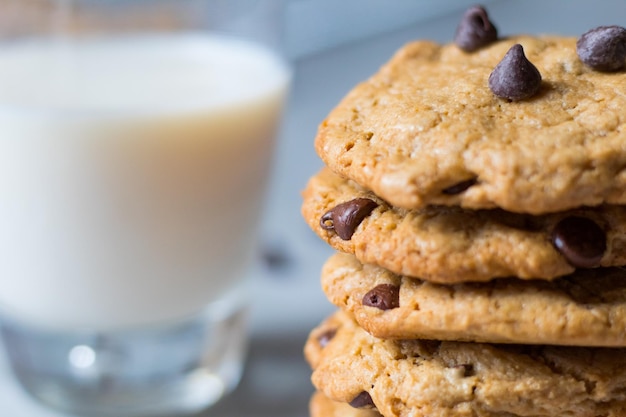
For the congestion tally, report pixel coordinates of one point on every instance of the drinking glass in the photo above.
(136, 138)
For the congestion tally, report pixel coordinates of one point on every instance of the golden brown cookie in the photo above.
(451, 244)
(421, 378)
(587, 308)
(427, 129)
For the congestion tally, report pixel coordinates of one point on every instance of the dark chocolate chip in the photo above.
(515, 77)
(326, 222)
(475, 30)
(580, 240)
(383, 296)
(460, 187)
(346, 217)
(603, 48)
(363, 400)
(326, 337)
(465, 369)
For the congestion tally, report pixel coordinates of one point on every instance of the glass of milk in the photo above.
(136, 138)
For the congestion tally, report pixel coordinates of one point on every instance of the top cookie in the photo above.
(427, 129)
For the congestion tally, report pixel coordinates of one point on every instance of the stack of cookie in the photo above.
(475, 193)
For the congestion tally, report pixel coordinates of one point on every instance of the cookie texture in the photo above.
(426, 129)
(322, 406)
(421, 378)
(587, 308)
(450, 244)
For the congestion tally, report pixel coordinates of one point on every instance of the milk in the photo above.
(132, 172)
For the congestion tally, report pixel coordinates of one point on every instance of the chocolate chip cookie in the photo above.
(450, 244)
(425, 378)
(586, 308)
(439, 125)
(322, 406)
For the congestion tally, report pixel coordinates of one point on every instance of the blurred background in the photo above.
(332, 45)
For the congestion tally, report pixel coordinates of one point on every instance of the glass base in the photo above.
(176, 369)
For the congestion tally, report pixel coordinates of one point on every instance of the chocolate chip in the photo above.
(363, 400)
(603, 48)
(475, 30)
(465, 369)
(346, 217)
(383, 296)
(460, 187)
(515, 77)
(326, 337)
(580, 240)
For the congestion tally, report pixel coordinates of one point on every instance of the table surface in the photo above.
(289, 300)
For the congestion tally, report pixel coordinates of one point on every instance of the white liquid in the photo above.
(131, 175)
